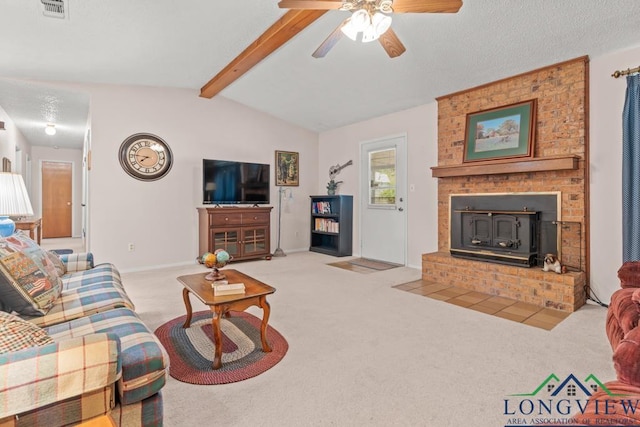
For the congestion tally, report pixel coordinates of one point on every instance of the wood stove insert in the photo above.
(508, 229)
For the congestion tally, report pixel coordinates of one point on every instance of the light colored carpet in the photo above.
(73, 243)
(362, 353)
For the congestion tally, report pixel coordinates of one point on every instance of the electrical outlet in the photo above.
(132, 247)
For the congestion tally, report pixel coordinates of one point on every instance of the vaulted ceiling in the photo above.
(185, 44)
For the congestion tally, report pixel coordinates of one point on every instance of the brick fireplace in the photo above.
(559, 167)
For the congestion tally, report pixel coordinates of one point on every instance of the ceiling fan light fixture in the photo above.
(381, 23)
(348, 30)
(360, 20)
(385, 6)
(369, 34)
(347, 5)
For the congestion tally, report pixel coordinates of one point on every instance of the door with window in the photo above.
(56, 199)
(383, 216)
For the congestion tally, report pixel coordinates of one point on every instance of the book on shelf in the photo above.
(321, 208)
(327, 225)
(224, 288)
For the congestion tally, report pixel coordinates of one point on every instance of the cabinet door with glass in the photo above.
(227, 239)
(255, 241)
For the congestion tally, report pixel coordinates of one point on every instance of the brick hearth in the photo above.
(546, 289)
(561, 91)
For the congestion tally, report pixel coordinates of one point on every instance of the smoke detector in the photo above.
(55, 8)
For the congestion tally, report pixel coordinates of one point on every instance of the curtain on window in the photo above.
(631, 171)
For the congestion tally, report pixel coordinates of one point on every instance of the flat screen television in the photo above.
(227, 182)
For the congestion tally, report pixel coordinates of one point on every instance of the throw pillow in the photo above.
(17, 334)
(57, 263)
(29, 283)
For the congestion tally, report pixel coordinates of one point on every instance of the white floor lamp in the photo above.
(281, 191)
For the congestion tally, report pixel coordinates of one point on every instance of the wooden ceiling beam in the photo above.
(285, 28)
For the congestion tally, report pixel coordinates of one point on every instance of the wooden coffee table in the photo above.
(255, 294)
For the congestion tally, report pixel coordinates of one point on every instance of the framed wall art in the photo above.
(500, 133)
(287, 169)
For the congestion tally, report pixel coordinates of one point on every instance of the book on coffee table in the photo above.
(227, 288)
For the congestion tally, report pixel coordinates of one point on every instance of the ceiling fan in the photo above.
(371, 19)
(302, 13)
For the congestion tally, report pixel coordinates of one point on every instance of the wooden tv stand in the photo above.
(244, 232)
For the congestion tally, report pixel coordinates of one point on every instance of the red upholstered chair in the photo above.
(624, 335)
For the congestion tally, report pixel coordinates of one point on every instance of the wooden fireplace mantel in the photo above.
(507, 166)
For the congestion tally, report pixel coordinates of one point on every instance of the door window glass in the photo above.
(382, 177)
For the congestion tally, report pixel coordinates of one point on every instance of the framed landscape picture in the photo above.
(500, 133)
(287, 172)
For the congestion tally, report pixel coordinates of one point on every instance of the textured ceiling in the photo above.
(32, 106)
(184, 44)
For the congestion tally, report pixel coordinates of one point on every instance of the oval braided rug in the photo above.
(191, 349)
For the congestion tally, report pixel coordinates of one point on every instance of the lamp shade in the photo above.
(348, 30)
(381, 23)
(360, 20)
(369, 34)
(14, 201)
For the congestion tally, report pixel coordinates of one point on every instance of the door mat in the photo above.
(365, 265)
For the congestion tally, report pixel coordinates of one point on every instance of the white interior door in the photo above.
(383, 215)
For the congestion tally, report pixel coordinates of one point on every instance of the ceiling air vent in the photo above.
(55, 8)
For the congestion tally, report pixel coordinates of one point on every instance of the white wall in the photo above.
(606, 104)
(160, 217)
(421, 127)
(7, 140)
(10, 140)
(42, 154)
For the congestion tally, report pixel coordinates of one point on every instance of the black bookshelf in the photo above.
(332, 225)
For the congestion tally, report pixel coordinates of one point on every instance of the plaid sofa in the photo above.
(103, 359)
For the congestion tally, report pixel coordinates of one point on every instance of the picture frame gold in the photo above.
(501, 133)
(287, 168)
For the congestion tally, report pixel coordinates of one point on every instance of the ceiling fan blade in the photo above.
(391, 43)
(310, 4)
(329, 42)
(426, 6)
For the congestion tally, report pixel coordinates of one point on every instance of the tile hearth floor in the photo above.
(522, 312)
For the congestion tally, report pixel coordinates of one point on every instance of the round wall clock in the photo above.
(145, 157)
